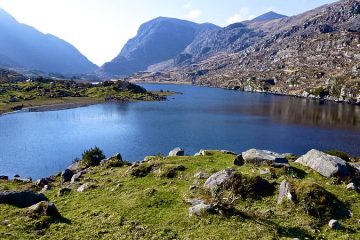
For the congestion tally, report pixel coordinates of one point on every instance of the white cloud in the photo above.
(194, 14)
(242, 15)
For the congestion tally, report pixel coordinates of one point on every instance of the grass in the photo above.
(18, 95)
(152, 207)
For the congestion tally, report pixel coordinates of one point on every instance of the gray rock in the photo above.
(217, 179)
(351, 186)
(194, 201)
(201, 175)
(199, 210)
(63, 191)
(83, 188)
(325, 164)
(22, 180)
(334, 224)
(46, 188)
(75, 167)
(44, 208)
(21, 199)
(42, 182)
(239, 160)
(5, 178)
(76, 177)
(264, 171)
(5, 223)
(285, 192)
(176, 152)
(66, 175)
(263, 157)
(228, 152)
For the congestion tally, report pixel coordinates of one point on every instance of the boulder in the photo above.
(63, 191)
(114, 161)
(201, 175)
(43, 208)
(217, 179)
(334, 224)
(199, 209)
(46, 188)
(325, 164)
(66, 175)
(76, 177)
(265, 171)
(22, 180)
(5, 178)
(263, 157)
(21, 199)
(351, 186)
(75, 167)
(176, 152)
(194, 201)
(239, 160)
(42, 182)
(285, 192)
(83, 188)
(228, 152)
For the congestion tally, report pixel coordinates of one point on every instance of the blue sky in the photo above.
(100, 28)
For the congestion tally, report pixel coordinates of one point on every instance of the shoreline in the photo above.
(254, 91)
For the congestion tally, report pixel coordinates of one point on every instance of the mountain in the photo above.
(22, 46)
(314, 54)
(268, 16)
(158, 40)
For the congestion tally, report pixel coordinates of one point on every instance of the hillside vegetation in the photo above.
(165, 198)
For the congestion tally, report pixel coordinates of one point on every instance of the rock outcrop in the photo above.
(263, 157)
(325, 164)
(21, 199)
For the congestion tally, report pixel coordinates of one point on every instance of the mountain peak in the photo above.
(268, 16)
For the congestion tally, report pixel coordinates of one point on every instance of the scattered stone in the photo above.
(66, 175)
(216, 180)
(263, 157)
(351, 186)
(75, 167)
(83, 188)
(194, 201)
(21, 199)
(264, 171)
(46, 188)
(325, 164)
(192, 188)
(43, 208)
(22, 180)
(201, 175)
(63, 191)
(227, 152)
(76, 177)
(114, 161)
(199, 210)
(334, 224)
(239, 160)
(5, 223)
(285, 192)
(42, 182)
(176, 152)
(5, 178)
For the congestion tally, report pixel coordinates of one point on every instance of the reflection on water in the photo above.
(308, 112)
(40, 144)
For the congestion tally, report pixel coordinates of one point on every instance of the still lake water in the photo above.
(39, 144)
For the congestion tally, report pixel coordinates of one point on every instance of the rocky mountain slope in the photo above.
(158, 40)
(314, 54)
(24, 47)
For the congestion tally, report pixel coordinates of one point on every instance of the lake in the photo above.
(39, 144)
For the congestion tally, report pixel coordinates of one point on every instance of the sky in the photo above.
(100, 28)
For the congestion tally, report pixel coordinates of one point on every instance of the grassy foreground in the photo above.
(121, 206)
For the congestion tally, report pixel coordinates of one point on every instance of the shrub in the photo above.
(93, 156)
(344, 156)
(321, 92)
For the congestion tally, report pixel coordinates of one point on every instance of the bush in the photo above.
(321, 92)
(93, 156)
(344, 156)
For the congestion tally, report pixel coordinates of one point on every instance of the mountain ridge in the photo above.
(27, 48)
